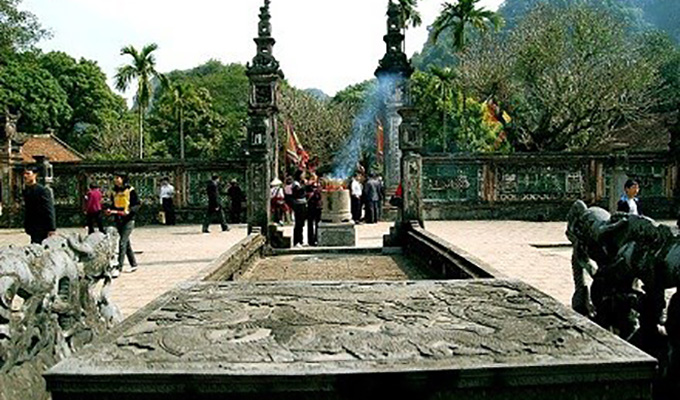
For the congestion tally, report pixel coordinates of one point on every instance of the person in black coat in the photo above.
(236, 198)
(214, 206)
(39, 217)
(629, 203)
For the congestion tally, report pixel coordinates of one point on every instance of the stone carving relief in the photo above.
(54, 297)
(272, 328)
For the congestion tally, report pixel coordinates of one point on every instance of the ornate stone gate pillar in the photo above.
(394, 69)
(262, 140)
(411, 144)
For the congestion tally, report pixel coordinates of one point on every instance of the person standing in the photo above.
(372, 198)
(124, 207)
(93, 209)
(167, 195)
(39, 216)
(299, 207)
(214, 206)
(314, 208)
(278, 201)
(356, 190)
(236, 198)
(629, 202)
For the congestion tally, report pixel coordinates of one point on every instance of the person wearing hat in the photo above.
(39, 216)
(278, 200)
(236, 198)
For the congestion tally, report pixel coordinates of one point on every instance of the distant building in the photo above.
(50, 146)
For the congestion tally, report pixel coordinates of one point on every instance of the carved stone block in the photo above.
(478, 339)
(337, 234)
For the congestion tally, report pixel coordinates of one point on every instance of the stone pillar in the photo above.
(391, 121)
(394, 69)
(262, 141)
(411, 143)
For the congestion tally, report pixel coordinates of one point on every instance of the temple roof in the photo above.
(50, 146)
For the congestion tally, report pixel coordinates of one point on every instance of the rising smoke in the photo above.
(364, 129)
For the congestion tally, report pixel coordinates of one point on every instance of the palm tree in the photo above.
(458, 17)
(446, 78)
(409, 15)
(143, 69)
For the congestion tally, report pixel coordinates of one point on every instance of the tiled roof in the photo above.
(50, 146)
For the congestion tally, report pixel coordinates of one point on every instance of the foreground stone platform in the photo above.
(476, 339)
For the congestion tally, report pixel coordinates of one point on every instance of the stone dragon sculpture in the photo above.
(54, 297)
(636, 261)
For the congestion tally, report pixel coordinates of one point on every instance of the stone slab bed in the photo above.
(463, 339)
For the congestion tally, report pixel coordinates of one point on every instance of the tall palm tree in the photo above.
(447, 78)
(409, 15)
(458, 17)
(143, 69)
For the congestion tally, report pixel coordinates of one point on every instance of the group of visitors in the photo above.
(40, 218)
(215, 209)
(301, 197)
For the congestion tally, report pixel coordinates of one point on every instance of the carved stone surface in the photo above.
(328, 340)
(53, 300)
(337, 234)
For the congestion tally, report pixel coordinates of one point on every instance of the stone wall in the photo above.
(189, 179)
(542, 186)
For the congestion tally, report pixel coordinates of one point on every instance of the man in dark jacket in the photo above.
(372, 196)
(124, 207)
(214, 206)
(39, 216)
(236, 198)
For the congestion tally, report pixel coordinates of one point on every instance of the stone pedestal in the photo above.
(337, 234)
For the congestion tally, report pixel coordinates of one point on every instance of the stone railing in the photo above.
(53, 300)
(542, 186)
(71, 180)
(443, 259)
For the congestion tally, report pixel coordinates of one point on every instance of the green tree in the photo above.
(457, 17)
(27, 88)
(321, 126)
(89, 96)
(579, 77)
(214, 100)
(445, 84)
(19, 30)
(142, 69)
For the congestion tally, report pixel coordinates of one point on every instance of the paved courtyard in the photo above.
(535, 252)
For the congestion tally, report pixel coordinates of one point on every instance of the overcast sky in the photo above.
(324, 44)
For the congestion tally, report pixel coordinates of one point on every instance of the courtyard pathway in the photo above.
(535, 252)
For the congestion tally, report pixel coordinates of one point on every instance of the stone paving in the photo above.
(334, 267)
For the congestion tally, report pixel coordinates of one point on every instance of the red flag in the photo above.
(380, 140)
(294, 150)
(291, 145)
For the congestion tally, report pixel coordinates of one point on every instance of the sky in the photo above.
(323, 44)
